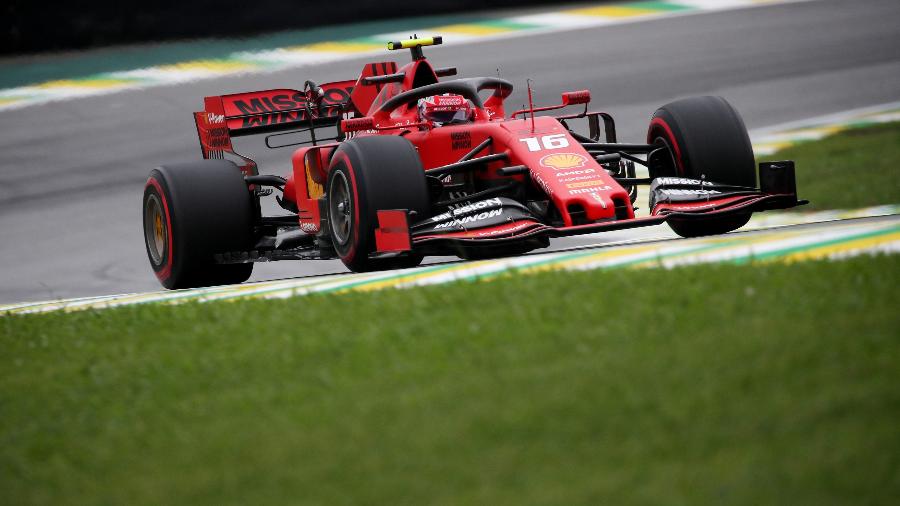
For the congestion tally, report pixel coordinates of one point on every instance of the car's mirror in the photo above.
(358, 124)
(576, 97)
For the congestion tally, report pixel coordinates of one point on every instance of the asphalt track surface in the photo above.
(72, 173)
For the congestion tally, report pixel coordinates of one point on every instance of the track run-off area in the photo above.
(80, 146)
(869, 230)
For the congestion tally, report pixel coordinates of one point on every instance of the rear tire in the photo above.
(368, 174)
(193, 211)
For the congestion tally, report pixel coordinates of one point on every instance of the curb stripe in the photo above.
(870, 238)
(625, 11)
(892, 243)
(819, 241)
(472, 29)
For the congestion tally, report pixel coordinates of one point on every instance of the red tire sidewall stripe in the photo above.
(665, 126)
(164, 273)
(354, 241)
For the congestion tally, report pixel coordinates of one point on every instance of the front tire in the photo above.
(707, 139)
(191, 212)
(369, 174)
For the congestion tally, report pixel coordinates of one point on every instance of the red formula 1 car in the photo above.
(398, 164)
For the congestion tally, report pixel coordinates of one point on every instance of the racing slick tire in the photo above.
(368, 174)
(193, 211)
(708, 140)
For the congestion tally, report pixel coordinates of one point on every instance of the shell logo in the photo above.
(563, 161)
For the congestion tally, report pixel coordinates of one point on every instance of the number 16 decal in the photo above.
(555, 141)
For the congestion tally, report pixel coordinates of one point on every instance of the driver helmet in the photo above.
(444, 109)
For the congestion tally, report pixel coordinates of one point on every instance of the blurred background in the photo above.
(34, 27)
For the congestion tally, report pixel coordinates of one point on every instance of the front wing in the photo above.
(501, 221)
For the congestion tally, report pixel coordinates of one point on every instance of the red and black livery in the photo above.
(378, 184)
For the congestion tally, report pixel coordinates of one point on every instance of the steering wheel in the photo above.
(468, 88)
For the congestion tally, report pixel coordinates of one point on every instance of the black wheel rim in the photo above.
(661, 141)
(340, 208)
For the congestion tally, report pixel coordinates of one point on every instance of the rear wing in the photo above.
(258, 112)
(287, 110)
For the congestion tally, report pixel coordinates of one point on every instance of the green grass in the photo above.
(759, 384)
(855, 168)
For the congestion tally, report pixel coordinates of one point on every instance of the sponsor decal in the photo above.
(680, 180)
(582, 191)
(214, 132)
(681, 207)
(504, 230)
(309, 227)
(576, 178)
(213, 118)
(598, 198)
(585, 184)
(218, 141)
(274, 103)
(284, 101)
(575, 173)
(276, 109)
(445, 103)
(460, 140)
(563, 161)
(481, 204)
(459, 222)
(687, 191)
(273, 119)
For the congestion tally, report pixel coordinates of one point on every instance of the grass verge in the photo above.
(851, 169)
(718, 384)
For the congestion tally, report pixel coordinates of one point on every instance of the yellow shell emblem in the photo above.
(562, 161)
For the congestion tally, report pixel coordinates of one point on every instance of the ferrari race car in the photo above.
(398, 164)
